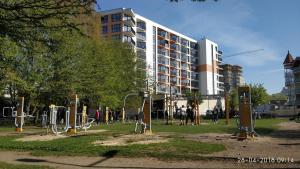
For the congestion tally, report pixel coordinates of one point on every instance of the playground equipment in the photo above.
(53, 119)
(71, 120)
(246, 125)
(144, 116)
(17, 114)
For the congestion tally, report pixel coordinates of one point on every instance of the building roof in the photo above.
(288, 59)
(296, 62)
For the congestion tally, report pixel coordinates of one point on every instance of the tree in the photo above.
(29, 20)
(259, 95)
(278, 96)
(234, 100)
(191, 96)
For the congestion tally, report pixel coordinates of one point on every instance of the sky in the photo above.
(236, 26)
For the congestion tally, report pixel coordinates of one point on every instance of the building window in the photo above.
(104, 29)
(116, 28)
(141, 25)
(104, 19)
(116, 37)
(127, 38)
(116, 17)
(141, 45)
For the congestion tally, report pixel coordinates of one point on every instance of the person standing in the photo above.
(182, 114)
(189, 115)
(97, 117)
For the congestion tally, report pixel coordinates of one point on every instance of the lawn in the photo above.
(262, 126)
(22, 166)
(176, 148)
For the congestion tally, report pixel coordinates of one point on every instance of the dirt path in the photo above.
(284, 143)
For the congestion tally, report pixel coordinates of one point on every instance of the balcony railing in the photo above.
(184, 58)
(141, 25)
(174, 64)
(174, 47)
(174, 38)
(141, 36)
(173, 73)
(163, 34)
(163, 61)
(163, 52)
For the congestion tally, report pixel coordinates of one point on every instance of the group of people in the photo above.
(185, 114)
(99, 116)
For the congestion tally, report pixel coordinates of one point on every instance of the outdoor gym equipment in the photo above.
(53, 119)
(19, 118)
(144, 116)
(13, 113)
(246, 125)
(84, 122)
(72, 119)
(17, 113)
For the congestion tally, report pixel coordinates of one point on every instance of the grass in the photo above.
(82, 146)
(22, 166)
(176, 148)
(262, 126)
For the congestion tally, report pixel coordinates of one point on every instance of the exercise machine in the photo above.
(246, 123)
(144, 116)
(72, 120)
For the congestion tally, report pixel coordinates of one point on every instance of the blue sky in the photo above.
(237, 26)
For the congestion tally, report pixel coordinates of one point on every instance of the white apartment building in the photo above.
(173, 61)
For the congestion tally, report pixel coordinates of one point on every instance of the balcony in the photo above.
(128, 31)
(162, 80)
(141, 36)
(141, 26)
(174, 55)
(163, 34)
(129, 20)
(141, 45)
(163, 52)
(174, 38)
(184, 58)
(185, 83)
(163, 61)
(184, 75)
(174, 47)
(173, 63)
(184, 42)
(163, 43)
(184, 50)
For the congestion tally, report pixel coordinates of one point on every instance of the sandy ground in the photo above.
(284, 143)
(124, 140)
(49, 137)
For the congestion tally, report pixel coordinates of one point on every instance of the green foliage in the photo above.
(234, 100)
(26, 21)
(278, 96)
(259, 95)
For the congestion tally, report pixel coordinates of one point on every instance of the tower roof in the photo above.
(288, 59)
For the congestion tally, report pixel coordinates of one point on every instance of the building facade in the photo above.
(232, 76)
(289, 90)
(176, 63)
